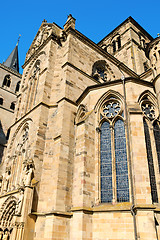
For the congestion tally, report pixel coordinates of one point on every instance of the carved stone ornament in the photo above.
(36, 69)
(19, 202)
(110, 109)
(101, 71)
(42, 35)
(44, 32)
(149, 110)
(27, 172)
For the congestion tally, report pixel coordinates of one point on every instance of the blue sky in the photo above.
(95, 19)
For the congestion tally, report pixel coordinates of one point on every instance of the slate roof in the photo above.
(12, 61)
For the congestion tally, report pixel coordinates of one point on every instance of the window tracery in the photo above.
(6, 217)
(101, 71)
(20, 166)
(114, 181)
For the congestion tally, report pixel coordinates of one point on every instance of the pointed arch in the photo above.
(149, 96)
(149, 108)
(7, 211)
(102, 71)
(114, 181)
(107, 95)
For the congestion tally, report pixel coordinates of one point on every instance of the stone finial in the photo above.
(70, 22)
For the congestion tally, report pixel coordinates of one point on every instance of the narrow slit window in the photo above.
(119, 42)
(150, 164)
(114, 45)
(1, 101)
(12, 106)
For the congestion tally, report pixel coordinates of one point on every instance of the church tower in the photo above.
(10, 79)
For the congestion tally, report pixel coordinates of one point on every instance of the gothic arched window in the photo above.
(12, 106)
(17, 87)
(149, 124)
(116, 43)
(102, 72)
(7, 81)
(113, 153)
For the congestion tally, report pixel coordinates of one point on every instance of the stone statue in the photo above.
(5, 236)
(20, 202)
(27, 175)
(6, 180)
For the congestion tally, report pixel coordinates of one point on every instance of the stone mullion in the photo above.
(113, 165)
(28, 97)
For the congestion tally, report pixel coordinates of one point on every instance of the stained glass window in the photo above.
(122, 184)
(156, 131)
(113, 143)
(150, 163)
(106, 163)
(148, 110)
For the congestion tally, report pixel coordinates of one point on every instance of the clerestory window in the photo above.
(7, 81)
(114, 182)
(116, 43)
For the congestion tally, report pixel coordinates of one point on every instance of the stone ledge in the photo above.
(108, 207)
(55, 213)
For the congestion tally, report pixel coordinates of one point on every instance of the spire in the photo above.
(13, 61)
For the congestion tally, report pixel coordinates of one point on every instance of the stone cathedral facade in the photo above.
(83, 156)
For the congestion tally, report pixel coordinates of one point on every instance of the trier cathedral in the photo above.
(83, 157)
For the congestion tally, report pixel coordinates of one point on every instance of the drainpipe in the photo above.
(133, 212)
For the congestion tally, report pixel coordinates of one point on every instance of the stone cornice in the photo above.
(118, 81)
(55, 213)
(146, 74)
(9, 110)
(38, 105)
(6, 90)
(11, 70)
(129, 19)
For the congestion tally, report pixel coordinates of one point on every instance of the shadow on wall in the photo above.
(3, 141)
